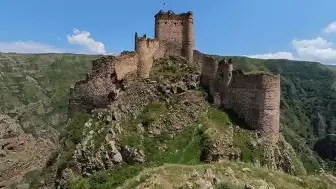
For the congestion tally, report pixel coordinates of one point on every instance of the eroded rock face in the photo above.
(222, 148)
(282, 157)
(20, 152)
(92, 155)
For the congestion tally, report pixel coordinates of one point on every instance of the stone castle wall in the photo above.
(175, 32)
(108, 73)
(256, 98)
(269, 107)
(208, 67)
(147, 50)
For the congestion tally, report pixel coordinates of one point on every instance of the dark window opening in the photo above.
(165, 22)
(10, 148)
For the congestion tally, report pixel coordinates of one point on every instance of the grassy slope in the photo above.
(34, 87)
(242, 174)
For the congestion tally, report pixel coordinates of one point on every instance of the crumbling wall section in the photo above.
(101, 87)
(223, 78)
(208, 67)
(126, 65)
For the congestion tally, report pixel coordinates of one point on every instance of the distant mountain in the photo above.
(34, 91)
(332, 67)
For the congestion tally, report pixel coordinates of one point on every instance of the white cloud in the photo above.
(331, 28)
(84, 39)
(318, 49)
(81, 38)
(318, 43)
(27, 47)
(277, 55)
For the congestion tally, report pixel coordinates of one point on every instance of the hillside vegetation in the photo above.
(34, 92)
(34, 88)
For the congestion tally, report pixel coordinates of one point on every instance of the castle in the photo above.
(255, 97)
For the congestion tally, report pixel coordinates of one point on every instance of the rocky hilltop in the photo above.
(63, 70)
(149, 122)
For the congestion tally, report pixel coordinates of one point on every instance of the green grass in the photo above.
(170, 69)
(227, 185)
(179, 150)
(177, 175)
(107, 180)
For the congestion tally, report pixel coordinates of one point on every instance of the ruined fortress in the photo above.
(255, 97)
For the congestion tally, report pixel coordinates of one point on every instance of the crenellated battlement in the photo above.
(170, 15)
(260, 80)
(144, 42)
(175, 32)
(147, 50)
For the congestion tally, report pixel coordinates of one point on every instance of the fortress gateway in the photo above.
(255, 97)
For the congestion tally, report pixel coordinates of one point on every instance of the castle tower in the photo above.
(224, 76)
(175, 32)
(146, 50)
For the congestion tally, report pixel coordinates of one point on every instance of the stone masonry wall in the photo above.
(147, 50)
(257, 99)
(223, 79)
(208, 67)
(175, 32)
(269, 107)
(126, 64)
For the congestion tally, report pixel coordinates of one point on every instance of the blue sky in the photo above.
(293, 29)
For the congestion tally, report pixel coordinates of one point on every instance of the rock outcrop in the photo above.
(20, 152)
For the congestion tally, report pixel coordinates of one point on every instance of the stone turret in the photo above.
(175, 32)
(146, 50)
